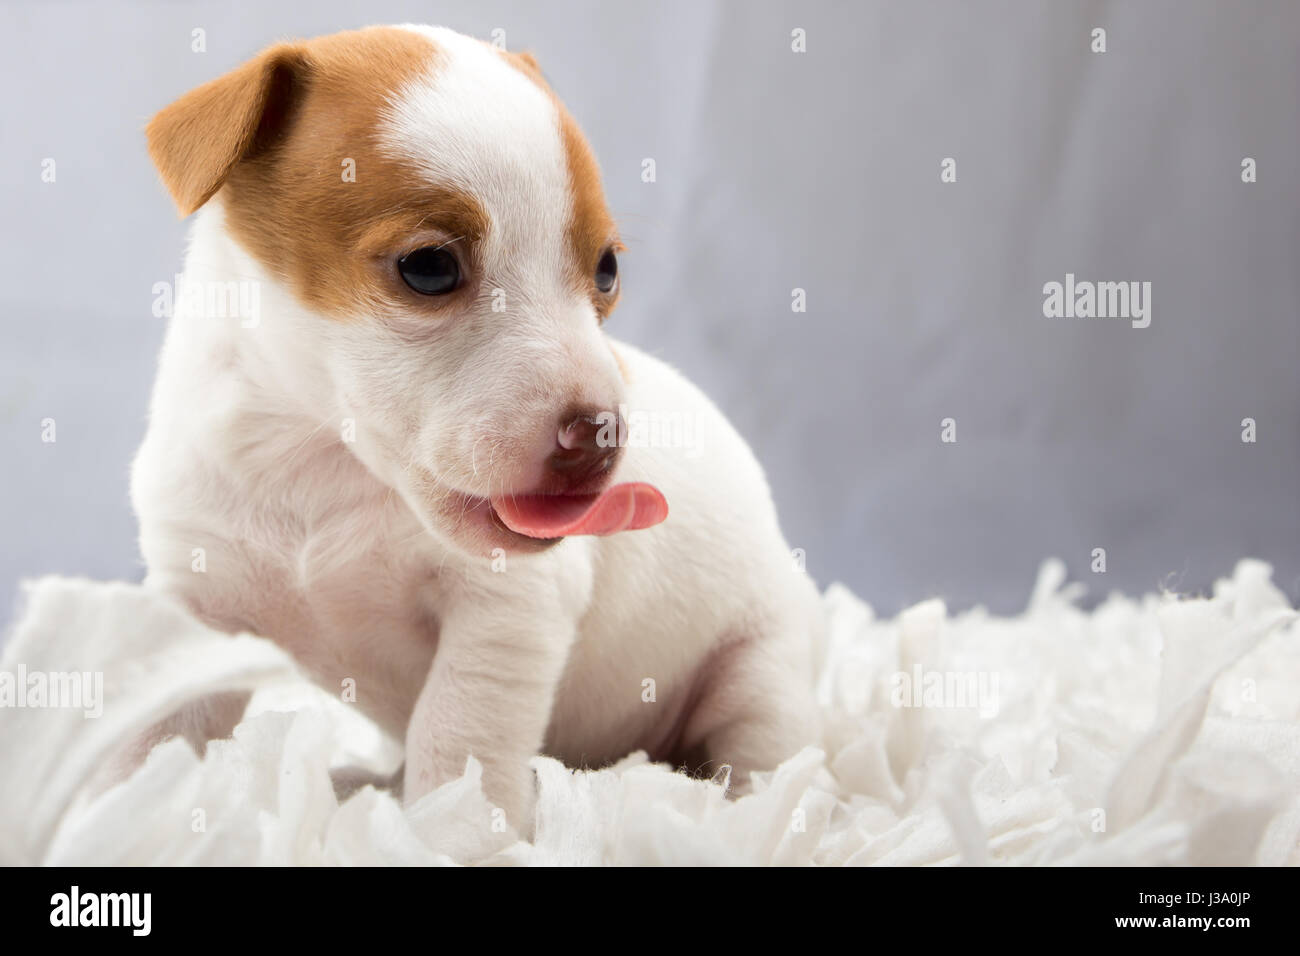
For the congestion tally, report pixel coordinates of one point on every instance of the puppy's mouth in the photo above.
(629, 506)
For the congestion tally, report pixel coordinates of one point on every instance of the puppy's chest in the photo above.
(360, 620)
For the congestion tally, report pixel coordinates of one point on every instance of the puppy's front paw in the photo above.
(509, 786)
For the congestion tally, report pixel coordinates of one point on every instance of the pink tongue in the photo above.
(626, 507)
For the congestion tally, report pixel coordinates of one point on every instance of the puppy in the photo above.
(420, 464)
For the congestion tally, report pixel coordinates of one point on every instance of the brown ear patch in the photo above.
(592, 229)
(197, 140)
(307, 187)
(304, 206)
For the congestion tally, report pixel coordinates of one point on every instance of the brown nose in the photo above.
(586, 447)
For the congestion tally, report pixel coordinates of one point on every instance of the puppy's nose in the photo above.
(586, 446)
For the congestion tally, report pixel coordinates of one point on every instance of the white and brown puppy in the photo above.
(409, 469)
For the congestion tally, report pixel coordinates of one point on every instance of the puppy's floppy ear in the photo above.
(197, 140)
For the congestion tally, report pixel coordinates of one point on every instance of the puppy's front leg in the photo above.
(489, 694)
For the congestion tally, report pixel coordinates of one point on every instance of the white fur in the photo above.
(339, 550)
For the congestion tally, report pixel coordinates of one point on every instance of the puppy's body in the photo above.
(332, 476)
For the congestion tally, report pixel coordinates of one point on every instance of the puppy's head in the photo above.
(438, 217)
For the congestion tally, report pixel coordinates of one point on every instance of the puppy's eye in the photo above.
(607, 271)
(430, 271)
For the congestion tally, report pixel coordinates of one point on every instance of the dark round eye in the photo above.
(430, 271)
(607, 271)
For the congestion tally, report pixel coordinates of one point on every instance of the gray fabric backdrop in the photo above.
(776, 170)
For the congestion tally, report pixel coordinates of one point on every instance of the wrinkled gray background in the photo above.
(775, 171)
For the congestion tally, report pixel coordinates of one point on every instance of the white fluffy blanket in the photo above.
(1163, 730)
